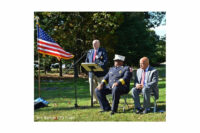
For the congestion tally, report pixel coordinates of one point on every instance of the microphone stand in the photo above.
(75, 86)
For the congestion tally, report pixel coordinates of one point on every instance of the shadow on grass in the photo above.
(61, 93)
(162, 86)
(49, 108)
(159, 108)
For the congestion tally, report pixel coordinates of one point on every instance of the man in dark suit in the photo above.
(146, 82)
(99, 56)
(116, 82)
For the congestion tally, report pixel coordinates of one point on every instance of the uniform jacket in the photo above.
(121, 74)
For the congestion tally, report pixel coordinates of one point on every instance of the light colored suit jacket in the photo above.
(152, 80)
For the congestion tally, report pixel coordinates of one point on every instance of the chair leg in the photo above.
(109, 99)
(125, 103)
(155, 106)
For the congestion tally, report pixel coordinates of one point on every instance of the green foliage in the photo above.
(126, 33)
(155, 19)
(74, 31)
(161, 50)
(135, 40)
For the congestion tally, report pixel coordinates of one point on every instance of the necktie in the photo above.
(95, 52)
(143, 76)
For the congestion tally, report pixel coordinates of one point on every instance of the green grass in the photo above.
(61, 107)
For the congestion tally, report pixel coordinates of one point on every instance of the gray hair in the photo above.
(96, 41)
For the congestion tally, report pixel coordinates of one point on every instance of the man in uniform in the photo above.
(99, 56)
(116, 82)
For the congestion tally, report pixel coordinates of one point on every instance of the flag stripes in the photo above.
(46, 45)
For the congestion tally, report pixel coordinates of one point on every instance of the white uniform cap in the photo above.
(119, 57)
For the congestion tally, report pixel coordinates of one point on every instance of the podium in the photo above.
(91, 67)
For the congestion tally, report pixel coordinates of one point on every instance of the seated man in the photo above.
(146, 81)
(115, 82)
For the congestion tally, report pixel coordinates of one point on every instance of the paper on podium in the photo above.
(91, 67)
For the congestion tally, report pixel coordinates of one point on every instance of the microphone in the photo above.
(88, 51)
(85, 52)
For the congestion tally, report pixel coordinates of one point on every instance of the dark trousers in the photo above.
(116, 92)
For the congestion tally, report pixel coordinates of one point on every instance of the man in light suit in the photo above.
(99, 56)
(146, 82)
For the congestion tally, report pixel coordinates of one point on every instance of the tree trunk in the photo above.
(60, 66)
(77, 55)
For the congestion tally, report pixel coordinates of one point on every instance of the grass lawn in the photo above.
(60, 95)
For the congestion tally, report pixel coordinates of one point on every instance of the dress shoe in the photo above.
(113, 112)
(146, 111)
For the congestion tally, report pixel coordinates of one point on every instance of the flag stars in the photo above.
(45, 36)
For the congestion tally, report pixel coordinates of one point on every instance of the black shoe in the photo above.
(112, 113)
(146, 111)
(138, 110)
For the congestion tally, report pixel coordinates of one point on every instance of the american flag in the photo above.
(46, 45)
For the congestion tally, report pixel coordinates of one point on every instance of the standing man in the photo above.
(116, 82)
(146, 81)
(99, 56)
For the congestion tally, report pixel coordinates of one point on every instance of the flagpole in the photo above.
(39, 74)
(37, 22)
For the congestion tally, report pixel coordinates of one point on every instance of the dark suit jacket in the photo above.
(101, 60)
(152, 80)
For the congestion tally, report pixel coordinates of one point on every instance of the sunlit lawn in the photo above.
(60, 95)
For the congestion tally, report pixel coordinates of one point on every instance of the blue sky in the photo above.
(160, 30)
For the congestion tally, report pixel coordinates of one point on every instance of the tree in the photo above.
(75, 31)
(161, 50)
(135, 39)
